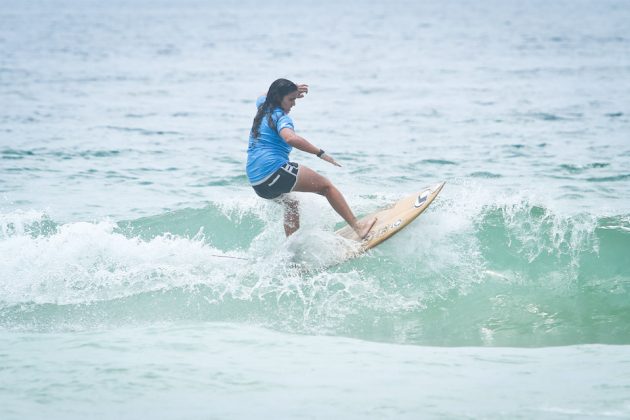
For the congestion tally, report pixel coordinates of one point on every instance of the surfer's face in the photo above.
(288, 101)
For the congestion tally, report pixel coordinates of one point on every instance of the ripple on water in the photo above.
(12, 154)
(576, 169)
(142, 131)
(438, 162)
(484, 174)
(614, 178)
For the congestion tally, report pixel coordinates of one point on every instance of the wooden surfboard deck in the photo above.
(392, 219)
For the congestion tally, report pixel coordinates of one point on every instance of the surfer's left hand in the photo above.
(329, 159)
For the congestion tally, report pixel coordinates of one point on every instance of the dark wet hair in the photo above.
(278, 90)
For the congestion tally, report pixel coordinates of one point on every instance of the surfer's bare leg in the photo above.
(291, 215)
(310, 181)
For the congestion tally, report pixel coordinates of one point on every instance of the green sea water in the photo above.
(514, 276)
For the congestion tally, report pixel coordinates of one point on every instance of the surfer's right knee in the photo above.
(325, 190)
(326, 187)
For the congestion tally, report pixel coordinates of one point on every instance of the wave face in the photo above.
(508, 273)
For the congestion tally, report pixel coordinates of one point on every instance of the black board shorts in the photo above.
(280, 182)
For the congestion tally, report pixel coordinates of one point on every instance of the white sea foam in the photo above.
(84, 262)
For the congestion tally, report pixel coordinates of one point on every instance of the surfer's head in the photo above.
(281, 94)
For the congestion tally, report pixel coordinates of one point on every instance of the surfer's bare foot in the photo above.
(364, 228)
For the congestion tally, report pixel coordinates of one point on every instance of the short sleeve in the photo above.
(260, 100)
(284, 121)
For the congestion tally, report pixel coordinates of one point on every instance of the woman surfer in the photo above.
(269, 170)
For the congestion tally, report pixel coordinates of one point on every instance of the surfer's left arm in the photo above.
(304, 145)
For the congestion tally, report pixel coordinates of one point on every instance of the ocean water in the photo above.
(140, 276)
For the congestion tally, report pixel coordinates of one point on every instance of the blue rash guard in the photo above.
(267, 153)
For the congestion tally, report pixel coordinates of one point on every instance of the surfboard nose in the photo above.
(424, 195)
(437, 187)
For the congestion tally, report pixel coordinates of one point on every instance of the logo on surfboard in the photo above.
(382, 231)
(422, 198)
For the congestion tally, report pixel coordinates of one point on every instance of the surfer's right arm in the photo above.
(304, 145)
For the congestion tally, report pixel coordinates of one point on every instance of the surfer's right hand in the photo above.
(302, 90)
(329, 159)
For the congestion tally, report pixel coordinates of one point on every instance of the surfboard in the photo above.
(393, 218)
